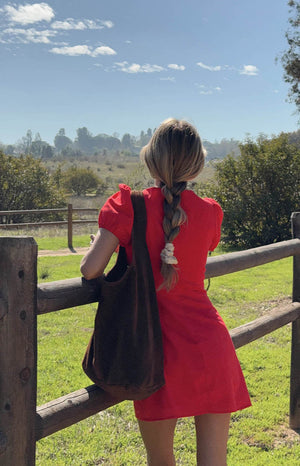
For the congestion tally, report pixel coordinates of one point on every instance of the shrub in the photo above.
(25, 184)
(258, 191)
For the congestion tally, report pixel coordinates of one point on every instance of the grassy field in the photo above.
(259, 435)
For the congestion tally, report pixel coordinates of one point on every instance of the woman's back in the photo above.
(199, 234)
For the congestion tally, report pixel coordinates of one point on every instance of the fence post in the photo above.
(295, 356)
(70, 226)
(18, 350)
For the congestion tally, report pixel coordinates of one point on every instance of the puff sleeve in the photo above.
(217, 219)
(116, 215)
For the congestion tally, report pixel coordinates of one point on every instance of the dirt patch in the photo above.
(63, 252)
(285, 436)
(281, 436)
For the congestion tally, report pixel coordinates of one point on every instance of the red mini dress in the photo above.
(202, 372)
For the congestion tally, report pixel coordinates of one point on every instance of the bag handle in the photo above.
(139, 245)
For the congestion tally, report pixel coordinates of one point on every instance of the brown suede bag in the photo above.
(125, 353)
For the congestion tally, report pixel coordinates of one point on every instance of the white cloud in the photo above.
(103, 50)
(72, 24)
(210, 68)
(72, 51)
(68, 24)
(169, 78)
(249, 70)
(29, 14)
(109, 24)
(30, 35)
(174, 66)
(207, 90)
(136, 68)
(78, 50)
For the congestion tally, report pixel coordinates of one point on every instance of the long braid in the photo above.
(173, 156)
(173, 218)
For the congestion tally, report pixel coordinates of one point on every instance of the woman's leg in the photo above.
(158, 438)
(212, 435)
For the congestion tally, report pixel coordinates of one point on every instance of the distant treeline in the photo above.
(86, 144)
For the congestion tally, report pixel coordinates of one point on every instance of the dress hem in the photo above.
(200, 413)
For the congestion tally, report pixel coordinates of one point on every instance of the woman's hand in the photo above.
(102, 246)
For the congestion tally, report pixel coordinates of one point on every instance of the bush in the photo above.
(25, 184)
(81, 181)
(258, 191)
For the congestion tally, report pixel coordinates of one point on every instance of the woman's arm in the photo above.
(97, 258)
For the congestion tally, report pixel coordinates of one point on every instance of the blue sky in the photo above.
(124, 66)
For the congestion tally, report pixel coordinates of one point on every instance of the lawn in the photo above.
(259, 435)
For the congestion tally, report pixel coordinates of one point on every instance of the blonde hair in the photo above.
(174, 155)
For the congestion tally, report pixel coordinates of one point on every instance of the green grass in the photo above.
(259, 435)
(60, 242)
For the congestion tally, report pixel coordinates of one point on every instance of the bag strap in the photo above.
(139, 245)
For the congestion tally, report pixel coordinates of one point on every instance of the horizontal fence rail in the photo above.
(44, 224)
(46, 211)
(69, 222)
(237, 261)
(64, 294)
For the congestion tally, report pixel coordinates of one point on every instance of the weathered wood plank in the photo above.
(295, 348)
(17, 351)
(69, 409)
(236, 261)
(295, 377)
(68, 293)
(43, 211)
(266, 324)
(43, 224)
(54, 296)
(33, 211)
(34, 224)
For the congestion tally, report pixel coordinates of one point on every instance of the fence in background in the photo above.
(22, 423)
(69, 211)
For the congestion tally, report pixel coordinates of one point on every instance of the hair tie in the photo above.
(167, 254)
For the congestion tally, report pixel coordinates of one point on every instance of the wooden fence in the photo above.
(21, 300)
(69, 211)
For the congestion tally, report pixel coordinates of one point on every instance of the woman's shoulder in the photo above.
(118, 202)
(205, 201)
(116, 215)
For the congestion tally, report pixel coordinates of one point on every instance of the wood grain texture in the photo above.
(295, 349)
(18, 351)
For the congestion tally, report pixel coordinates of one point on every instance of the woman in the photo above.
(202, 373)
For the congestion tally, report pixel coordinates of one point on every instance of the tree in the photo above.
(25, 184)
(291, 58)
(126, 141)
(25, 143)
(84, 140)
(149, 133)
(61, 141)
(258, 191)
(81, 181)
(40, 148)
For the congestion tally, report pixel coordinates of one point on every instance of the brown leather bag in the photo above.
(125, 353)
